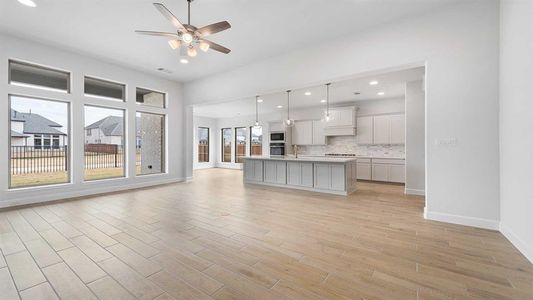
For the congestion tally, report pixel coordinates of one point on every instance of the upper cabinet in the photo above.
(389, 129)
(308, 133)
(342, 121)
(364, 130)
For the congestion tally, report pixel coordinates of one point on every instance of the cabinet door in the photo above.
(307, 174)
(381, 130)
(258, 170)
(276, 126)
(269, 171)
(397, 129)
(380, 172)
(249, 170)
(364, 171)
(364, 130)
(302, 133)
(319, 137)
(294, 173)
(346, 117)
(322, 176)
(397, 173)
(281, 172)
(338, 180)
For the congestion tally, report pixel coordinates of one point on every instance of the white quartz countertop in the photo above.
(306, 158)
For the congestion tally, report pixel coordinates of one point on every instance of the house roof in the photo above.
(35, 123)
(111, 126)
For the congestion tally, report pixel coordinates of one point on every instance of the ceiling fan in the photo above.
(188, 36)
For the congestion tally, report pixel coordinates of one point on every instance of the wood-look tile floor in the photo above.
(215, 238)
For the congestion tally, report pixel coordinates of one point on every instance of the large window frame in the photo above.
(236, 153)
(251, 139)
(208, 144)
(223, 154)
(42, 68)
(123, 87)
(68, 151)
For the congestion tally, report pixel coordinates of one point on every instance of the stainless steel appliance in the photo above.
(277, 149)
(277, 136)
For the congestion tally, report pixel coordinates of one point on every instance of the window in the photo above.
(40, 77)
(226, 144)
(203, 144)
(150, 98)
(256, 140)
(150, 143)
(104, 148)
(34, 124)
(104, 89)
(240, 144)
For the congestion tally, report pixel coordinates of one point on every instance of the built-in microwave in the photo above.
(277, 137)
(277, 149)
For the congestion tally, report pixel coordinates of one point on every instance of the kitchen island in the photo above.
(318, 174)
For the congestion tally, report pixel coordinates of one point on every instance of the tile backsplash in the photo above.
(348, 144)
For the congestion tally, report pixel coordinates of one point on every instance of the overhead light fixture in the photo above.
(323, 101)
(373, 82)
(187, 37)
(174, 44)
(191, 51)
(279, 106)
(29, 3)
(327, 117)
(381, 93)
(260, 100)
(288, 122)
(256, 124)
(203, 46)
(307, 93)
(184, 61)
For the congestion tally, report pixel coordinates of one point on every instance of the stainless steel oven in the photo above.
(277, 149)
(276, 137)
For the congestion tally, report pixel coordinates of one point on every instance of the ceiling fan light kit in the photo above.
(189, 36)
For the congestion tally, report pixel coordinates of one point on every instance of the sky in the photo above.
(58, 111)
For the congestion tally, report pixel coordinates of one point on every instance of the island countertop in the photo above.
(305, 158)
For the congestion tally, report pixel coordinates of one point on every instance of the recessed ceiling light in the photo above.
(259, 100)
(381, 93)
(307, 93)
(184, 61)
(279, 106)
(323, 101)
(29, 3)
(373, 82)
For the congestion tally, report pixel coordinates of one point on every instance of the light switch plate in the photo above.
(446, 142)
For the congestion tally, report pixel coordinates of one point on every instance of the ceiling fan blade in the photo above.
(213, 28)
(157, 33)
(170, 16)
(217, 47)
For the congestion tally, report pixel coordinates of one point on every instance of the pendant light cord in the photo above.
(288, 105)
(327, 98)
(256, 110)
(189, 11)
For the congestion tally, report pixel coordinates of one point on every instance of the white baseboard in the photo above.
(462, 220)
(517, 242)
(47, 197)
(415, 192)
(188, 179)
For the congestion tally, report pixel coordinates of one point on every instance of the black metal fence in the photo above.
(48, 159)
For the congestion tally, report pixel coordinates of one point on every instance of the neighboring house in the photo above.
(34, 130)
(109, 130)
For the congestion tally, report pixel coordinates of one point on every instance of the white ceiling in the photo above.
(341, 92)
(260, 29)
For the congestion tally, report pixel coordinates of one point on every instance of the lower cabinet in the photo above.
(364, 169)
(329, 176)
(300, 174)
(389, 170)
(275, 172)
(253, 170)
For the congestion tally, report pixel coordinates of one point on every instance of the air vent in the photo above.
(164, 70)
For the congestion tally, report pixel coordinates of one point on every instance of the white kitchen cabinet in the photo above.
(329, 176)
(319, 137)
(253, 170)
(275, 172)
(342, 121)
(397, 173)
(277, 126)
(389, 129)
(380, 172)
(388, 170)
(364, 130)
(364, 169)
(300, 174)
(302, 133)
(397, 129)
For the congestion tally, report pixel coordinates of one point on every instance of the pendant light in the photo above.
(257, 124)
(327, 117)
(289, 122)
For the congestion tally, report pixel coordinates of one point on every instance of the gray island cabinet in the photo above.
(318, 174)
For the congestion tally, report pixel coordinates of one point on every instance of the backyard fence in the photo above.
(48, 159)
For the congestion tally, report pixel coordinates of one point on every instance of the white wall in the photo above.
(213, 137)
(415, 159)
(459, 45)
(78, 65)
(516, 123)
